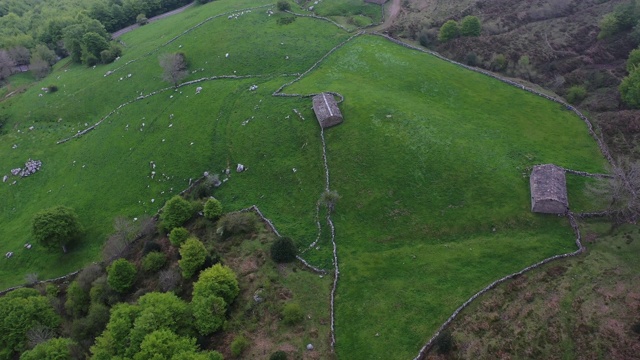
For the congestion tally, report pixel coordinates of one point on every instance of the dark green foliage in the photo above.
(212, 209)
(193, 254)
(56, 227)
(209, 313)
(633, 60)
(78, 300)
(141, 19)
(576, 94)
(238, 223)
(101, 292)
(87, 328)
(88, 275)
(286, 20)
(283, 250)
(630, 89)
(107, 56)
(471, 59)
(470, 26)
(20, 311)
(52, 88)
(153, 261)
(151, 246)
(444, 342)
(121, 275)
(218, 280)
(283, 5)
(239, 345)
(278, 355)
(623, 18)
(449, 31)
(54, 349)
(499, 62)
(175, 212)
(292, 313)
(178, 235)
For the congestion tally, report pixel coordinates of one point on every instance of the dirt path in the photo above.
(394, 10)
(121, 32)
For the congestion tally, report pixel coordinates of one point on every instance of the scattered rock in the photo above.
(240, 168)
(309, 347)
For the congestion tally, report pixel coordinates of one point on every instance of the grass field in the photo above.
(431, 162)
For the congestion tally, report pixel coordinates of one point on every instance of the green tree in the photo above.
(193, 255)
(129, 325)
(630, 89)
(175, 212)
(218, 280)
(54, 349)
(633, 61)
(56, 227)
(449, 31)
(93, 44)
(20, 311)
(121, 274)
(283, 5)
(239, 345)
(78, 300)
(212, 209)
(470, 26)
(209, 313)
(178, 235)
(283, 250)
(165, 344)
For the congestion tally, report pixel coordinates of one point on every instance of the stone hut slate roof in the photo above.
(548, 189)
(327, 110)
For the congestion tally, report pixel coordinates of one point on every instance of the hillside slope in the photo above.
(558, 37)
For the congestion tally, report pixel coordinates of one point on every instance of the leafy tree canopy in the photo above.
(56, 227)
(218, 280)
(193, 255)
(470, 26)
(121, 275)
(54, 349)
(449, 31)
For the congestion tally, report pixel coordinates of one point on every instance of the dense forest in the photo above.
(38, 32)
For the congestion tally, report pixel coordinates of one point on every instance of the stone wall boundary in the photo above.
(574, 225)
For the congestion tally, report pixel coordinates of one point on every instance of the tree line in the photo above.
(37, 33)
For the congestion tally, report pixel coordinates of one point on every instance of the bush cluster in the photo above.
(121, 275)
(153, 261)
(176, 212)
(283, 250)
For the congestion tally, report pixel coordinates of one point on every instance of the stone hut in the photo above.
(548, 189)
(327, 110)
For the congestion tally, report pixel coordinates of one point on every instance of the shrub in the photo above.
(576, 94)
(444, 342)
(630, 89)
(92, 325)
(278, 355)
(292, 313)
(78, 300)
(470, 26)
(449, 31)
(498, 62)
(153, 261)
(178, 235)
(286, 20)
(121, 275)
(209, 313)
(284, 5)
(88, 275)
(141, 19)
(238, 345)
(175, 212)
(52, 88)
(218, 280)
(283, 250)
(100, 291)
(212, 209)
(237, 223)
(471, 59)
(193, 254)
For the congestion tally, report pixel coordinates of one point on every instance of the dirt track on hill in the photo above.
(121, 32)
(394, 10)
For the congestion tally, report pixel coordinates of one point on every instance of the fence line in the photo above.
(574, 225)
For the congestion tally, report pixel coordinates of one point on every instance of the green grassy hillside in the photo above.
(431, 161)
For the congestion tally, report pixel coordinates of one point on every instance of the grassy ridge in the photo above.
(435, 199)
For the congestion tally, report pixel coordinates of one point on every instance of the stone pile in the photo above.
(30, 168)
